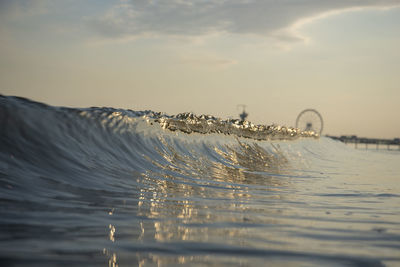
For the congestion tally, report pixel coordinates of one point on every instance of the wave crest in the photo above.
(206, 124)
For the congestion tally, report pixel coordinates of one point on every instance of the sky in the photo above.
(278, 58)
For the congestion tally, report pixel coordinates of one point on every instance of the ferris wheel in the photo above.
(310, 120)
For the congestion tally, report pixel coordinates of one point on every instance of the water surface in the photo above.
(111, 187)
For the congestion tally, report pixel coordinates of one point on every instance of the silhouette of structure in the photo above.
(244, 114)
(353, 139)
(310, 120)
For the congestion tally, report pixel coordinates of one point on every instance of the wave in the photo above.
(80, 141)
(53, 151)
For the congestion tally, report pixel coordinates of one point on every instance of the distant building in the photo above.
(243, 115)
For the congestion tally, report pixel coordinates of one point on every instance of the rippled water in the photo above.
(110, 187)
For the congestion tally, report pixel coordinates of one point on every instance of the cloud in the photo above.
(269, 18)
(17, 9)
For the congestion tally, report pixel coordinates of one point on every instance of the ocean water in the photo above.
(113, 187)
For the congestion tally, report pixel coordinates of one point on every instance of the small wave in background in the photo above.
(108, 187)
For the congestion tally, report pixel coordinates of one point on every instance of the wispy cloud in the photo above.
(269, 18)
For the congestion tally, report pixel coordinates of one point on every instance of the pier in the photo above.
(376, 142)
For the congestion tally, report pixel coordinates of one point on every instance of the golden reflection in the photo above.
(239, 163)
(111, 212)
(112, 232)
(197, 199)
(112, 258)
(255, 158)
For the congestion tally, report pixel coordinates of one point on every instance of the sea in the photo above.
(115, 187)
